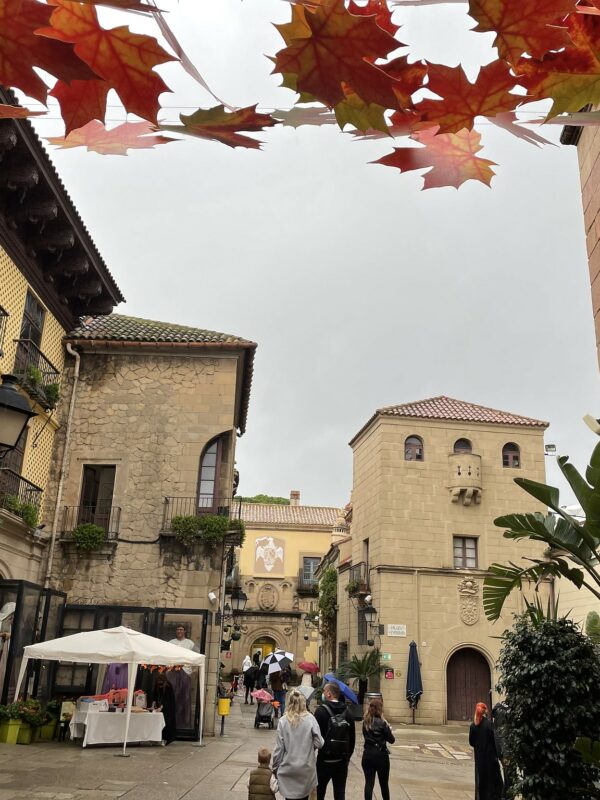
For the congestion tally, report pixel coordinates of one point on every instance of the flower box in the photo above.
(25, 733)
(9, 731)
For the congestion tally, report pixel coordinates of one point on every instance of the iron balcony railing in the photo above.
(104, 515)
(36, 374)
(359, 577)
(307, 584)
(17, 494)
(230, 507)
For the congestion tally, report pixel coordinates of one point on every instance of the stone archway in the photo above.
(468, 682)
(263, 645)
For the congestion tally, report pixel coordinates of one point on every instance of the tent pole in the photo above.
(202, 689)
(130, 687)
(22, 671)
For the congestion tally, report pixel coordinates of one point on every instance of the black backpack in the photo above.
(337, 738)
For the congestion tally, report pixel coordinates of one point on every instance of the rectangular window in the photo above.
(14, 458)
(96, 500)
(465, 552)
(33, 320)
(342, 652)
(309, 566)
(362, 627)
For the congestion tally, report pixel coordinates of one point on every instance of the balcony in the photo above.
(465, 478)
(20, 496)
(36, 375)
(359, 580)
(230, 507)
(104, 515)
(307, 584)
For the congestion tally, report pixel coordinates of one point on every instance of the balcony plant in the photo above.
(88, 537)
(209, 530)
(10, 722)
(27, 511)
(51, 395)
(353, 586)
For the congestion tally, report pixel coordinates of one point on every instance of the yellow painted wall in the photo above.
(13, 290)
(296, 545)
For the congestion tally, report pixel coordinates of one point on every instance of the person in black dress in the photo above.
(163, 699)
(376, 756)
(488, 780)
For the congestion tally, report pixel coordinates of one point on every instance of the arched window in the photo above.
(462, 446)
(511, 455)
(413, 449)
(209, 476)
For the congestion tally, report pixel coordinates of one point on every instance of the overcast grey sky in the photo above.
(361, 290)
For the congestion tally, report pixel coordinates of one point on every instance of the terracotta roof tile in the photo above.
(120, 328)
(443, 407)
(277, 514)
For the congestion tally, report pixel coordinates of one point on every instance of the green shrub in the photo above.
(11, 503)
(34, 376)
(52, 393)
(592, 626)
(27, 511)
(14, 710)
(238, 525)
(53, 708)
(352, 586)
(208, 529)
(550, 675)
(88, 536)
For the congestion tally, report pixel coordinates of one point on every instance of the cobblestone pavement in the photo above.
(427, 764)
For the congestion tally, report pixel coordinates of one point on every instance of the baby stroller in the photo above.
(264, 714)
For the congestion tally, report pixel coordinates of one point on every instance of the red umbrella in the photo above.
(309, 666)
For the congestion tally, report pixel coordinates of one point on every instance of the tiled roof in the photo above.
(277, 514)
(443, 407)
(120, 328)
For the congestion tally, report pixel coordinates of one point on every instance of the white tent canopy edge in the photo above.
(116, 645)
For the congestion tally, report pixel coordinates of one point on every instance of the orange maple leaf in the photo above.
(80, 102)
(224, 126)
(17, 112)
(377, 8)
(117, 141)
(338, 48)
(451, 158)
(570, 77)
(21, 49)
(523, 26)
(462, 101)
(122, 58)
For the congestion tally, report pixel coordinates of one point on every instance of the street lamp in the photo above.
(238, 600)
(370, 613)
(15, 413)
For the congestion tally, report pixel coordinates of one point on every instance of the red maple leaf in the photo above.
(21, 50)
(572, 76)
(97, 139)
(523, 26)
(224, 126)
(122, 58)
(462, 101)
(17, 112)
(451, 158)
(337, 49)
(80, 102)
(377, 8)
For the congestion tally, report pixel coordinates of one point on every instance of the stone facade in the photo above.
(405, 520)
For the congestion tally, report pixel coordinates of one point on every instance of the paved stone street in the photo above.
(427, 764)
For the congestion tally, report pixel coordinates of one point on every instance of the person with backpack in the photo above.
(376, 756)
(337, 729)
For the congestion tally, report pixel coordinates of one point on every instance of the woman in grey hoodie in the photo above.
(376, 756)
(294, 759)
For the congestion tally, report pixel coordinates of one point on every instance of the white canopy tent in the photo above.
(117, 645)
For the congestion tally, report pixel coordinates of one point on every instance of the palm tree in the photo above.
(360, 670)
(566, 538)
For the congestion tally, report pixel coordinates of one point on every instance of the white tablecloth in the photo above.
(104, 727)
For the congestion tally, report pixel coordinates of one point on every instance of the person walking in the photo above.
(260, 781)
(376, 757)
(338, 732)
(249, 683)
(488, 780)
(279, 692)
(294, 762)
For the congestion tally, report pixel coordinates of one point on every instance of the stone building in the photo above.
(429, 479)
(156, 410)
(276, 569)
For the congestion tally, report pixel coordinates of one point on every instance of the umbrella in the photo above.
(346, 690)
(262, 695)
(277, 661)
(414, 684)
(309, 666)
(307, 691)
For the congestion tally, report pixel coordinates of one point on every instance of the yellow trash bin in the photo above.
(223, 706)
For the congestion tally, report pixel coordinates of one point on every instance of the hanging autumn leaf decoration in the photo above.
(339, 56)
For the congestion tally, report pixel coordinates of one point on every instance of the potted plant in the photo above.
(31, 718)
(359, 670)
(88, 536)
(10, 722)
(48, 729)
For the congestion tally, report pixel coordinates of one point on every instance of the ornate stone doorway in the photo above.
(468, 681)
(263, 647)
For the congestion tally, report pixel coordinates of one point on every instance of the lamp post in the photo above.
(15, 413)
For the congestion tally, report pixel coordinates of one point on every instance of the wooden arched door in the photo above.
(468, 682)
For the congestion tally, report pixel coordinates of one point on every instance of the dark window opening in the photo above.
(208, 484)
(97, 495)
(33, 320)
(309, 567)
(462, 446)
(413, 449)
(362, 627)
(511, 455)
(465, 552)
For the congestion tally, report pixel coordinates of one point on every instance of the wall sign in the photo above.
(385, 656)
(389, 674)
(396, 630)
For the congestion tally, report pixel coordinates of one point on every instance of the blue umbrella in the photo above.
(346, 690)
(414, 684)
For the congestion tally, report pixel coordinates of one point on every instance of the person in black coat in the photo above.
(249, 682)
(376, 756)
(163, 699)
(488, 780)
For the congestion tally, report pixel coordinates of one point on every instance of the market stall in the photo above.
(116, 646)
